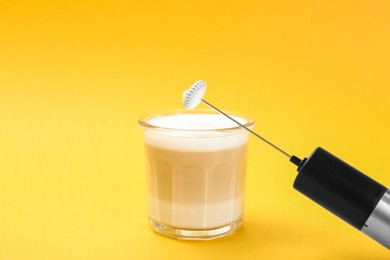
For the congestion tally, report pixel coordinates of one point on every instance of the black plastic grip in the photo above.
(338, 187)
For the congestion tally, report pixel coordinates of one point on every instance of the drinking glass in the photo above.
(195, 172)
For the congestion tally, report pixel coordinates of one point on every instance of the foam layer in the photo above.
(195, 121)
(195, 140)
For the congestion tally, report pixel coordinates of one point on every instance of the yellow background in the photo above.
(76, 75)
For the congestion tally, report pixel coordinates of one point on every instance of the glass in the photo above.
(195, 171)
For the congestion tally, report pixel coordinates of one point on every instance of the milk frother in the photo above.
(330, 182)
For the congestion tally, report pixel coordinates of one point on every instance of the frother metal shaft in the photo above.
(246, 128)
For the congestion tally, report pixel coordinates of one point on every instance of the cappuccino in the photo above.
(196, 165)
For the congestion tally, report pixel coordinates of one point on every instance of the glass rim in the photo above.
(142, 120)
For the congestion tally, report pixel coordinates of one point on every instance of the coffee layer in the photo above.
(197, 190)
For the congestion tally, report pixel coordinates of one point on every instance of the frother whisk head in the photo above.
(193, 96)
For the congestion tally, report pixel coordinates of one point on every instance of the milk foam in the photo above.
(204, 140)
(195, 121)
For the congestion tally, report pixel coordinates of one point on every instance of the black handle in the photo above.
(338, 187)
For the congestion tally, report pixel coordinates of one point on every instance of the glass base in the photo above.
(195, 234)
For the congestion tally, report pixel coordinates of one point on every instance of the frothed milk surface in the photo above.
(202, 138)
(195, 121)
(195, 179)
